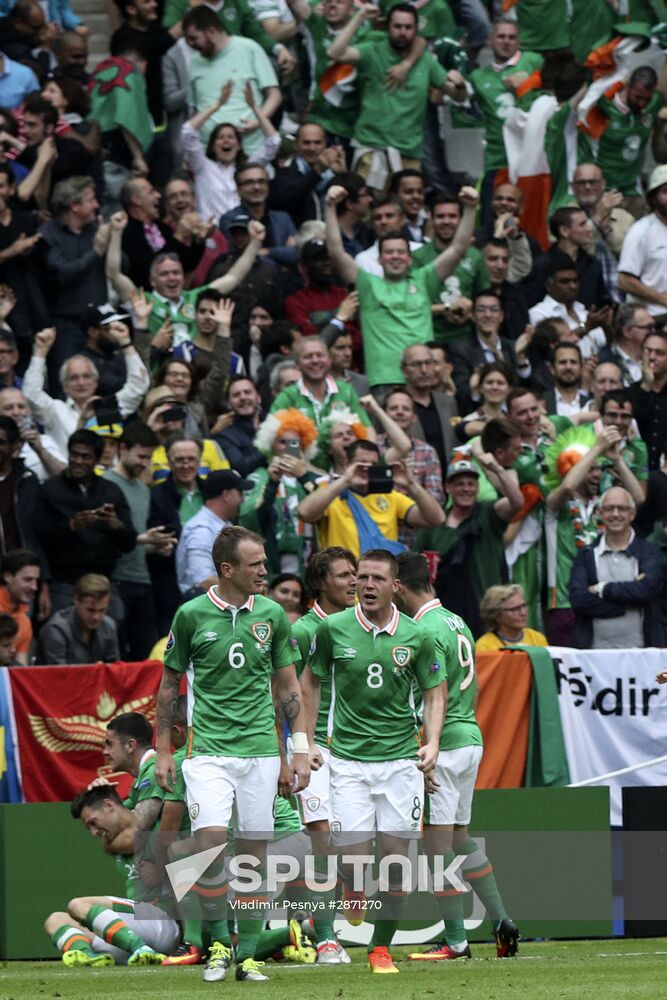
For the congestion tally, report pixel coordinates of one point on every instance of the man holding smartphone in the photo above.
(361, 509)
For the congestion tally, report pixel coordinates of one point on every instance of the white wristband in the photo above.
(300, 742)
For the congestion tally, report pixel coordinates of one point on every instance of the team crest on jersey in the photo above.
(170, 642)
(401, 656)
(261, 631)
(313, 804)
(188, 311)
(194, 810)
(335, 825)
(381, 503)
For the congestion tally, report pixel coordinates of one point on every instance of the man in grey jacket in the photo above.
(83, 632)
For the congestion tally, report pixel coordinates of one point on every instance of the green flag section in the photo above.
(118, 99)
(546, 763)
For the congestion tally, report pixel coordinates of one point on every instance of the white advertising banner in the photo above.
(614, 716)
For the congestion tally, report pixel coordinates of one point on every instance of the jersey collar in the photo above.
(429, 606)
(317, 611)
(389, 628)
(224, 606)
(512, 61)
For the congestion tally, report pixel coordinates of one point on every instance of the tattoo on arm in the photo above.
(167, 700)
(146, 813)
(290, 707)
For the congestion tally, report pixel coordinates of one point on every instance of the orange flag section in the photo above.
(505, 680)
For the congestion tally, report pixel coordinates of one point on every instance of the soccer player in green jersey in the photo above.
(452, 783)
(233, 643)
(376, 655)
(331, 576)
(103, 930)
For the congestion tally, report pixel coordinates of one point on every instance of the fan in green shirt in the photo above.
(395, 310)
(631, 115)
(494, 87)
(468, 278)
(168, 299)
(392, 118)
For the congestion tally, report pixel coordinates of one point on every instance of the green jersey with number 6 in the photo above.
(373, 672)
(455, 646)
(229, 656)
(303, 631)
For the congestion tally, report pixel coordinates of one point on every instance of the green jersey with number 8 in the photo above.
(455, 646)
(229, 656)
(373, 672)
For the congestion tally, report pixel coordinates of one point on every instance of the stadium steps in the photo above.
(95, 13)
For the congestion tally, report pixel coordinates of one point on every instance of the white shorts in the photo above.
(218, 788)
(155, 928)
(382, 796)
(314, 800)
(456, 773)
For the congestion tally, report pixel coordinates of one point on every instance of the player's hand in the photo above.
(165, 770)
(315, 755)
(430, 784)
(149, 873)
(428, 757)
(300, 772)
(285, 778)
(469, 197)
(661, 678)
(100, 782)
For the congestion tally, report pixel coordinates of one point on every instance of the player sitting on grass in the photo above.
(103, 930)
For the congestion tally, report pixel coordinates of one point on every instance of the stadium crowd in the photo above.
(356, 279)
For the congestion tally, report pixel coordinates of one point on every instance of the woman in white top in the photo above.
(214, 169)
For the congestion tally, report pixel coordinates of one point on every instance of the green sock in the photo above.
(109, 926)
(271, 941)
(219, 931)
(392, 902)
(211, 891)
(478, 871)
(324, 925)
(450, 904)
(249, 933)
(249, 925)
(192, 932)
(324, 930)
(67, 938)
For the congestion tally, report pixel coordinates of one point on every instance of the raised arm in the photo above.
(199, 119)
(506, 482)
(341, 49)
(240, 268)
(607, 438)
(315, 505)
(346, 265)
(399, 442)
(445, 262)
(122, 285)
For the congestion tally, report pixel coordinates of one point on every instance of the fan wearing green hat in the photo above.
(573, 466)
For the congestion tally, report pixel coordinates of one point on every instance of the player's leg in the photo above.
(449, 801)
(478, 872)
(105, 916)
(73, 941)
(210, 787)
(398, 793)
(352, 829)
(316, 813)
(256, 789)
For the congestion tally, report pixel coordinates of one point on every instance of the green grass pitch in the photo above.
(581, 970)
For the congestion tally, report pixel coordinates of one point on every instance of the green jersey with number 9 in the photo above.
(455, 646)
(373, 672)
(229, 656)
